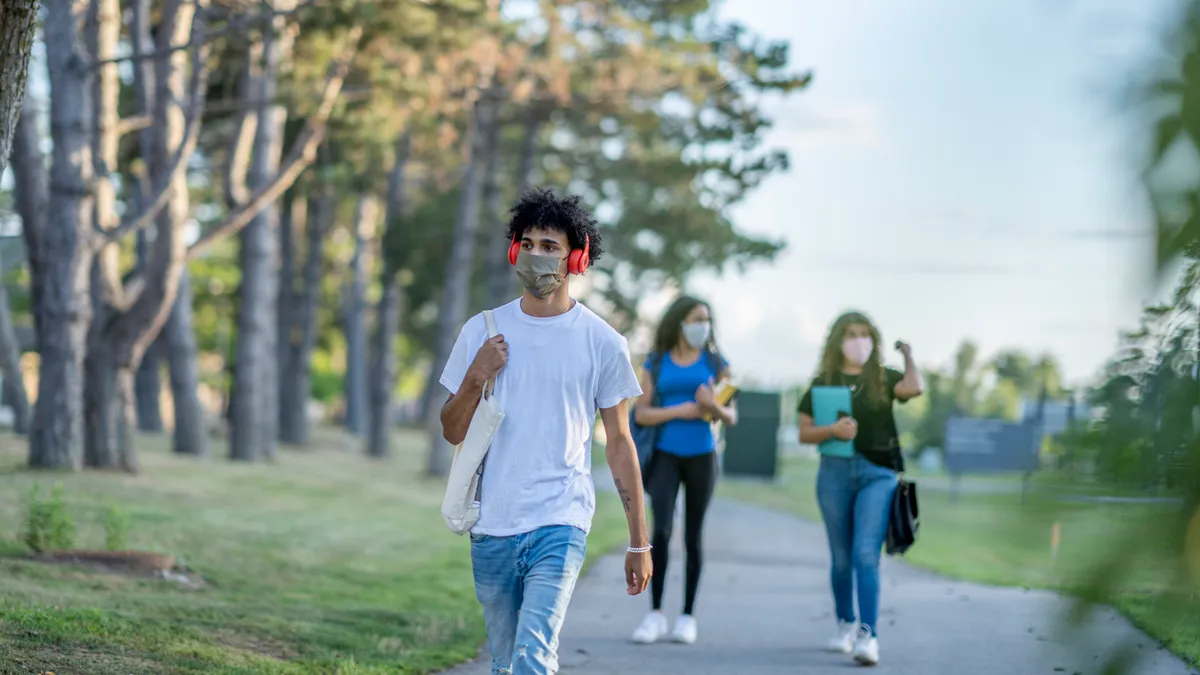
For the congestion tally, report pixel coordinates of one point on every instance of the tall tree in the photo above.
(482, 104)
(390, 310)
(301, 336)
(61, 253)
(254, 416)
(354, 315)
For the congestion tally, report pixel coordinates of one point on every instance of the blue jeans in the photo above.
(525, 583)
(855, 497)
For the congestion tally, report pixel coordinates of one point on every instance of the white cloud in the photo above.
(808, 122)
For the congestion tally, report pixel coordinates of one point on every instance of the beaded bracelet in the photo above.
(639, 549)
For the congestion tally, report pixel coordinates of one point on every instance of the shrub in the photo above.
(48, 525)
(116, 528)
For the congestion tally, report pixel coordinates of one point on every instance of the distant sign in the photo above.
(975, 445)
(1056, 415)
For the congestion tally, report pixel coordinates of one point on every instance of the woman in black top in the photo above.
(855, 492)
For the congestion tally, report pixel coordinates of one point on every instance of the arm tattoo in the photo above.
(625, 498)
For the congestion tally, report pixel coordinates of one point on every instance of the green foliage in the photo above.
(48, 526)
(1013, 376)
(1173, 97)
(116, 528)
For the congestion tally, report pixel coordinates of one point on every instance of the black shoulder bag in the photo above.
(905, 518)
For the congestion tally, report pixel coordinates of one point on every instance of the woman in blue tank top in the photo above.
(688, 365)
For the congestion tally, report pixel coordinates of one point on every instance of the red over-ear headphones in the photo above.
(577, 261)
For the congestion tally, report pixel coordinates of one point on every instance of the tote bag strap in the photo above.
(490, 320)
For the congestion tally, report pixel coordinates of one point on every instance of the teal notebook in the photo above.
(826, 402)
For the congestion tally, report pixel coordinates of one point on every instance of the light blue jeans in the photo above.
(855, 497)
(525, 583)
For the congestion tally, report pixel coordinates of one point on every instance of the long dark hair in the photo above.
(873, 378)
(670, 328)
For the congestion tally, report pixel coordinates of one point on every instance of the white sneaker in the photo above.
(685, 630)
(866, 648)
(843, 640)
(653, 627)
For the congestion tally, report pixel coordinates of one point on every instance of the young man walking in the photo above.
(557, 363)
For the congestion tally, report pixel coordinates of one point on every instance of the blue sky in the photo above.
(959, 170)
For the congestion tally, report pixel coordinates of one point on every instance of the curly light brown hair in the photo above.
(873, 376)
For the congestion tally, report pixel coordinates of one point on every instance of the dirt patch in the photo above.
(128, 563)
(254, 644)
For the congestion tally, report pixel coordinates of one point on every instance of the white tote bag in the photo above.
(460, 506)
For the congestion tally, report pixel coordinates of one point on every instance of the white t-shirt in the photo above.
(560, 371)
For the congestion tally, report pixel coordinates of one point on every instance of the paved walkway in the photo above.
(764, 609)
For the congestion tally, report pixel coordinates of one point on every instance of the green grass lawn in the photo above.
(995, 539)
(324, 562)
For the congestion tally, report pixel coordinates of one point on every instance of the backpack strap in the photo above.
(490, 320)
(714, 363)
(656, 362)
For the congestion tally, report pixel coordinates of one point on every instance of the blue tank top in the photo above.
(675, 385)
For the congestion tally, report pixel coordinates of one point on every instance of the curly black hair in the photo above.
(541, 208)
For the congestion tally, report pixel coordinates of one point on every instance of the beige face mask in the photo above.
(540, 274)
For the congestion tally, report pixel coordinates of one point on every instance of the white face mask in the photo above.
(857, 350)
(696, 334)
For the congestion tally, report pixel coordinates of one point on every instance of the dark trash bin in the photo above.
(752, 446)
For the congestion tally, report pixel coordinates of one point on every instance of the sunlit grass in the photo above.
(325, 562)
(994, 538)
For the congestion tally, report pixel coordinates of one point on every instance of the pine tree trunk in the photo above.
(294, 406)
(31, 193)
(65, 254)
(292, 217)
(190, 436)
(354, 322)
(148, 381)
(10, 365)
(456, 291)
(254, 413)
(99, 427)
(388, 316)
(500, 281)
(100, 424)
(18, 28)
(147, 386)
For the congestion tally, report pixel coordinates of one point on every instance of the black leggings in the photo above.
(698, 476)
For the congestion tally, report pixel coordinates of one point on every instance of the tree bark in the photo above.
(10, 365)
(255, 411)
(18, 27)
(353, 319)
(65, 250)
(190, 436)
(292, 217)
(389, 314)
(500, 280)
(293, 409)
(100, 425)
(31, 193)
(147, 383)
